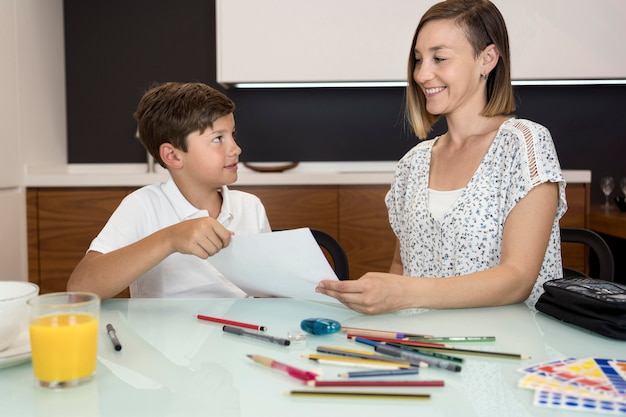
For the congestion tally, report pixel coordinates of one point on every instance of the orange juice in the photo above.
(64, 346)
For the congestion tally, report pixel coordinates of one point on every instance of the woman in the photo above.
(479, 206)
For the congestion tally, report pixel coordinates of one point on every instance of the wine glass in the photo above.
(607, 184)
(622, 184)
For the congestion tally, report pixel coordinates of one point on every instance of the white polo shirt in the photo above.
(160, 205)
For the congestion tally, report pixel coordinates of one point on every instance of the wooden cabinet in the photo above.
(364, 229)
(609, 222)
(63, 221)
(291, 207)
(578, 207)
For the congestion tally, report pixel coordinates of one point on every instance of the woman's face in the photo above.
(447, 70)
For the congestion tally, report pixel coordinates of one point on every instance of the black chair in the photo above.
(595, 242)
(337, 254)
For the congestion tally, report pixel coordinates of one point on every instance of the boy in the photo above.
(158, 239)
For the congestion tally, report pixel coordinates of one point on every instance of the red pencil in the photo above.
(401, 341)
(352, 383)
(232, 323)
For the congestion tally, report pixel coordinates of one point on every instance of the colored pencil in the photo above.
(365, 365)
(377, 373)
(231, 322)
(290, 370)
(407, 355)
(358, 394)
(349, 360)
(426, 351)
(408, 342)
(336, 350)
(443, 347)
(377, 383)
(400, 353)
(354, 353)
(438, 339)
(478, 352)
(382, 333)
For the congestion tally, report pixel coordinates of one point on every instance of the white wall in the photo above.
(369, 40)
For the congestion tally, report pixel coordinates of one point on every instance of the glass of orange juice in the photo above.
(64, 338)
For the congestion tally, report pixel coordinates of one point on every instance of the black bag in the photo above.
(596, 305)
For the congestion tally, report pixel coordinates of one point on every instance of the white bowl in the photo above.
(13, 309)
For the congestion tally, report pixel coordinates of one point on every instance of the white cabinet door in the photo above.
(369, 40)
(13, 231)
(9, 125)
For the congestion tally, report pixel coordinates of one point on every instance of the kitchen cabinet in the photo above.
(370, 40)
(61, 225)
(63, 221)
(12, 221)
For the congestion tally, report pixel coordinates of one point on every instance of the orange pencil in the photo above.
(383, 333)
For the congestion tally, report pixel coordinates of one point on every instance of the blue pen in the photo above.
(380, 372)
(366, 341)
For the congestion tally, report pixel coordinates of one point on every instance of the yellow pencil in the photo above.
(336, 349)
(359, 394)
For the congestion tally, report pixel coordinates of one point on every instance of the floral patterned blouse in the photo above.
(469, 238)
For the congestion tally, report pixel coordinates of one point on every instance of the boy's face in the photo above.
(211, 158)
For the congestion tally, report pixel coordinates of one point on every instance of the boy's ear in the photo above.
(170, 156)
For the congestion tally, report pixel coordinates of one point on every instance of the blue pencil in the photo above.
(381, 372)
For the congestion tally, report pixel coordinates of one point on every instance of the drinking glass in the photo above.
(607, 184)
(622, 184)
(64, 338)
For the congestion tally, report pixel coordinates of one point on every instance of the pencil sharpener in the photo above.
(319, 326)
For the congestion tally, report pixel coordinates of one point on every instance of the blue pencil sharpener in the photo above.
(320, 326)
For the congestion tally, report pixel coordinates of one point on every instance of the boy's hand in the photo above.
(201, 237)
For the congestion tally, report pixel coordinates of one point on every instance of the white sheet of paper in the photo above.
(287, 263)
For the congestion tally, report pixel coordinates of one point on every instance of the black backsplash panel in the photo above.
(116, 50)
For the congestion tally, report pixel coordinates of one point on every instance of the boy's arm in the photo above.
(109, 273)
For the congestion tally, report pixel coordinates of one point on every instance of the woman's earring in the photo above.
(485, 76)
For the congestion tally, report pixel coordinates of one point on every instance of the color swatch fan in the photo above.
(591, 384)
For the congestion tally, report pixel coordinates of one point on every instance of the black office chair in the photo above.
(337, 254)
(606, 266)
(334, 249)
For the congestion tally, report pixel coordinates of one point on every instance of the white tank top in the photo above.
(439, 202)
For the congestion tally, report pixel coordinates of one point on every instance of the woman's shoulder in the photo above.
(423, 147)
(525, 128)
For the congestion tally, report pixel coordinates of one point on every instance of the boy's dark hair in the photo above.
(169, 112)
